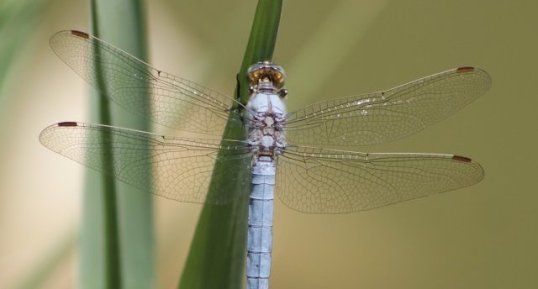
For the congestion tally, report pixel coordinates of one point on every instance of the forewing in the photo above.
(174, 102)
(313, 180)
(181, 168)
(387, 115)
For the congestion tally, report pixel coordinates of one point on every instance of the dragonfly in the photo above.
(302, 155)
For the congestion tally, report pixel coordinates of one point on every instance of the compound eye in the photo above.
(266, 70)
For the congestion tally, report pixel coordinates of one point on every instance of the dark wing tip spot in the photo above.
(464, 69)
(68, 123)
(80, 34)
(461, 159)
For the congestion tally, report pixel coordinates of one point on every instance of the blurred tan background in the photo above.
(484, 236)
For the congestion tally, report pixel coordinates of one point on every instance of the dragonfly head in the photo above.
(267, 76)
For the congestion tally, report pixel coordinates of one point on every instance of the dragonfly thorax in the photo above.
(265, 111)
(265, 121)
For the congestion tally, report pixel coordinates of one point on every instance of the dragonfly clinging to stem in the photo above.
(292, 151)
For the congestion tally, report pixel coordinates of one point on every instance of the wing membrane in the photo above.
(181, 167)
(174, 102)
(314, 180)
(387, 115)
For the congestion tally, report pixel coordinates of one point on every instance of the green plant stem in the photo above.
(217, 256)
(112, 262)
(117, 236)
(261, 43)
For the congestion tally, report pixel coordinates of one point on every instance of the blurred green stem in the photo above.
(117, 235)
(18, 20)
(112, 261)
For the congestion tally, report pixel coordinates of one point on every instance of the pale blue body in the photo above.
(265, 112)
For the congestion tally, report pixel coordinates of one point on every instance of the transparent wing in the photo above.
(181, 168)
(315, 180)
(387, 115)
(174, 102)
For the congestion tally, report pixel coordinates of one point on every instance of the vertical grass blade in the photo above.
(117, 236)
(217, 256)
